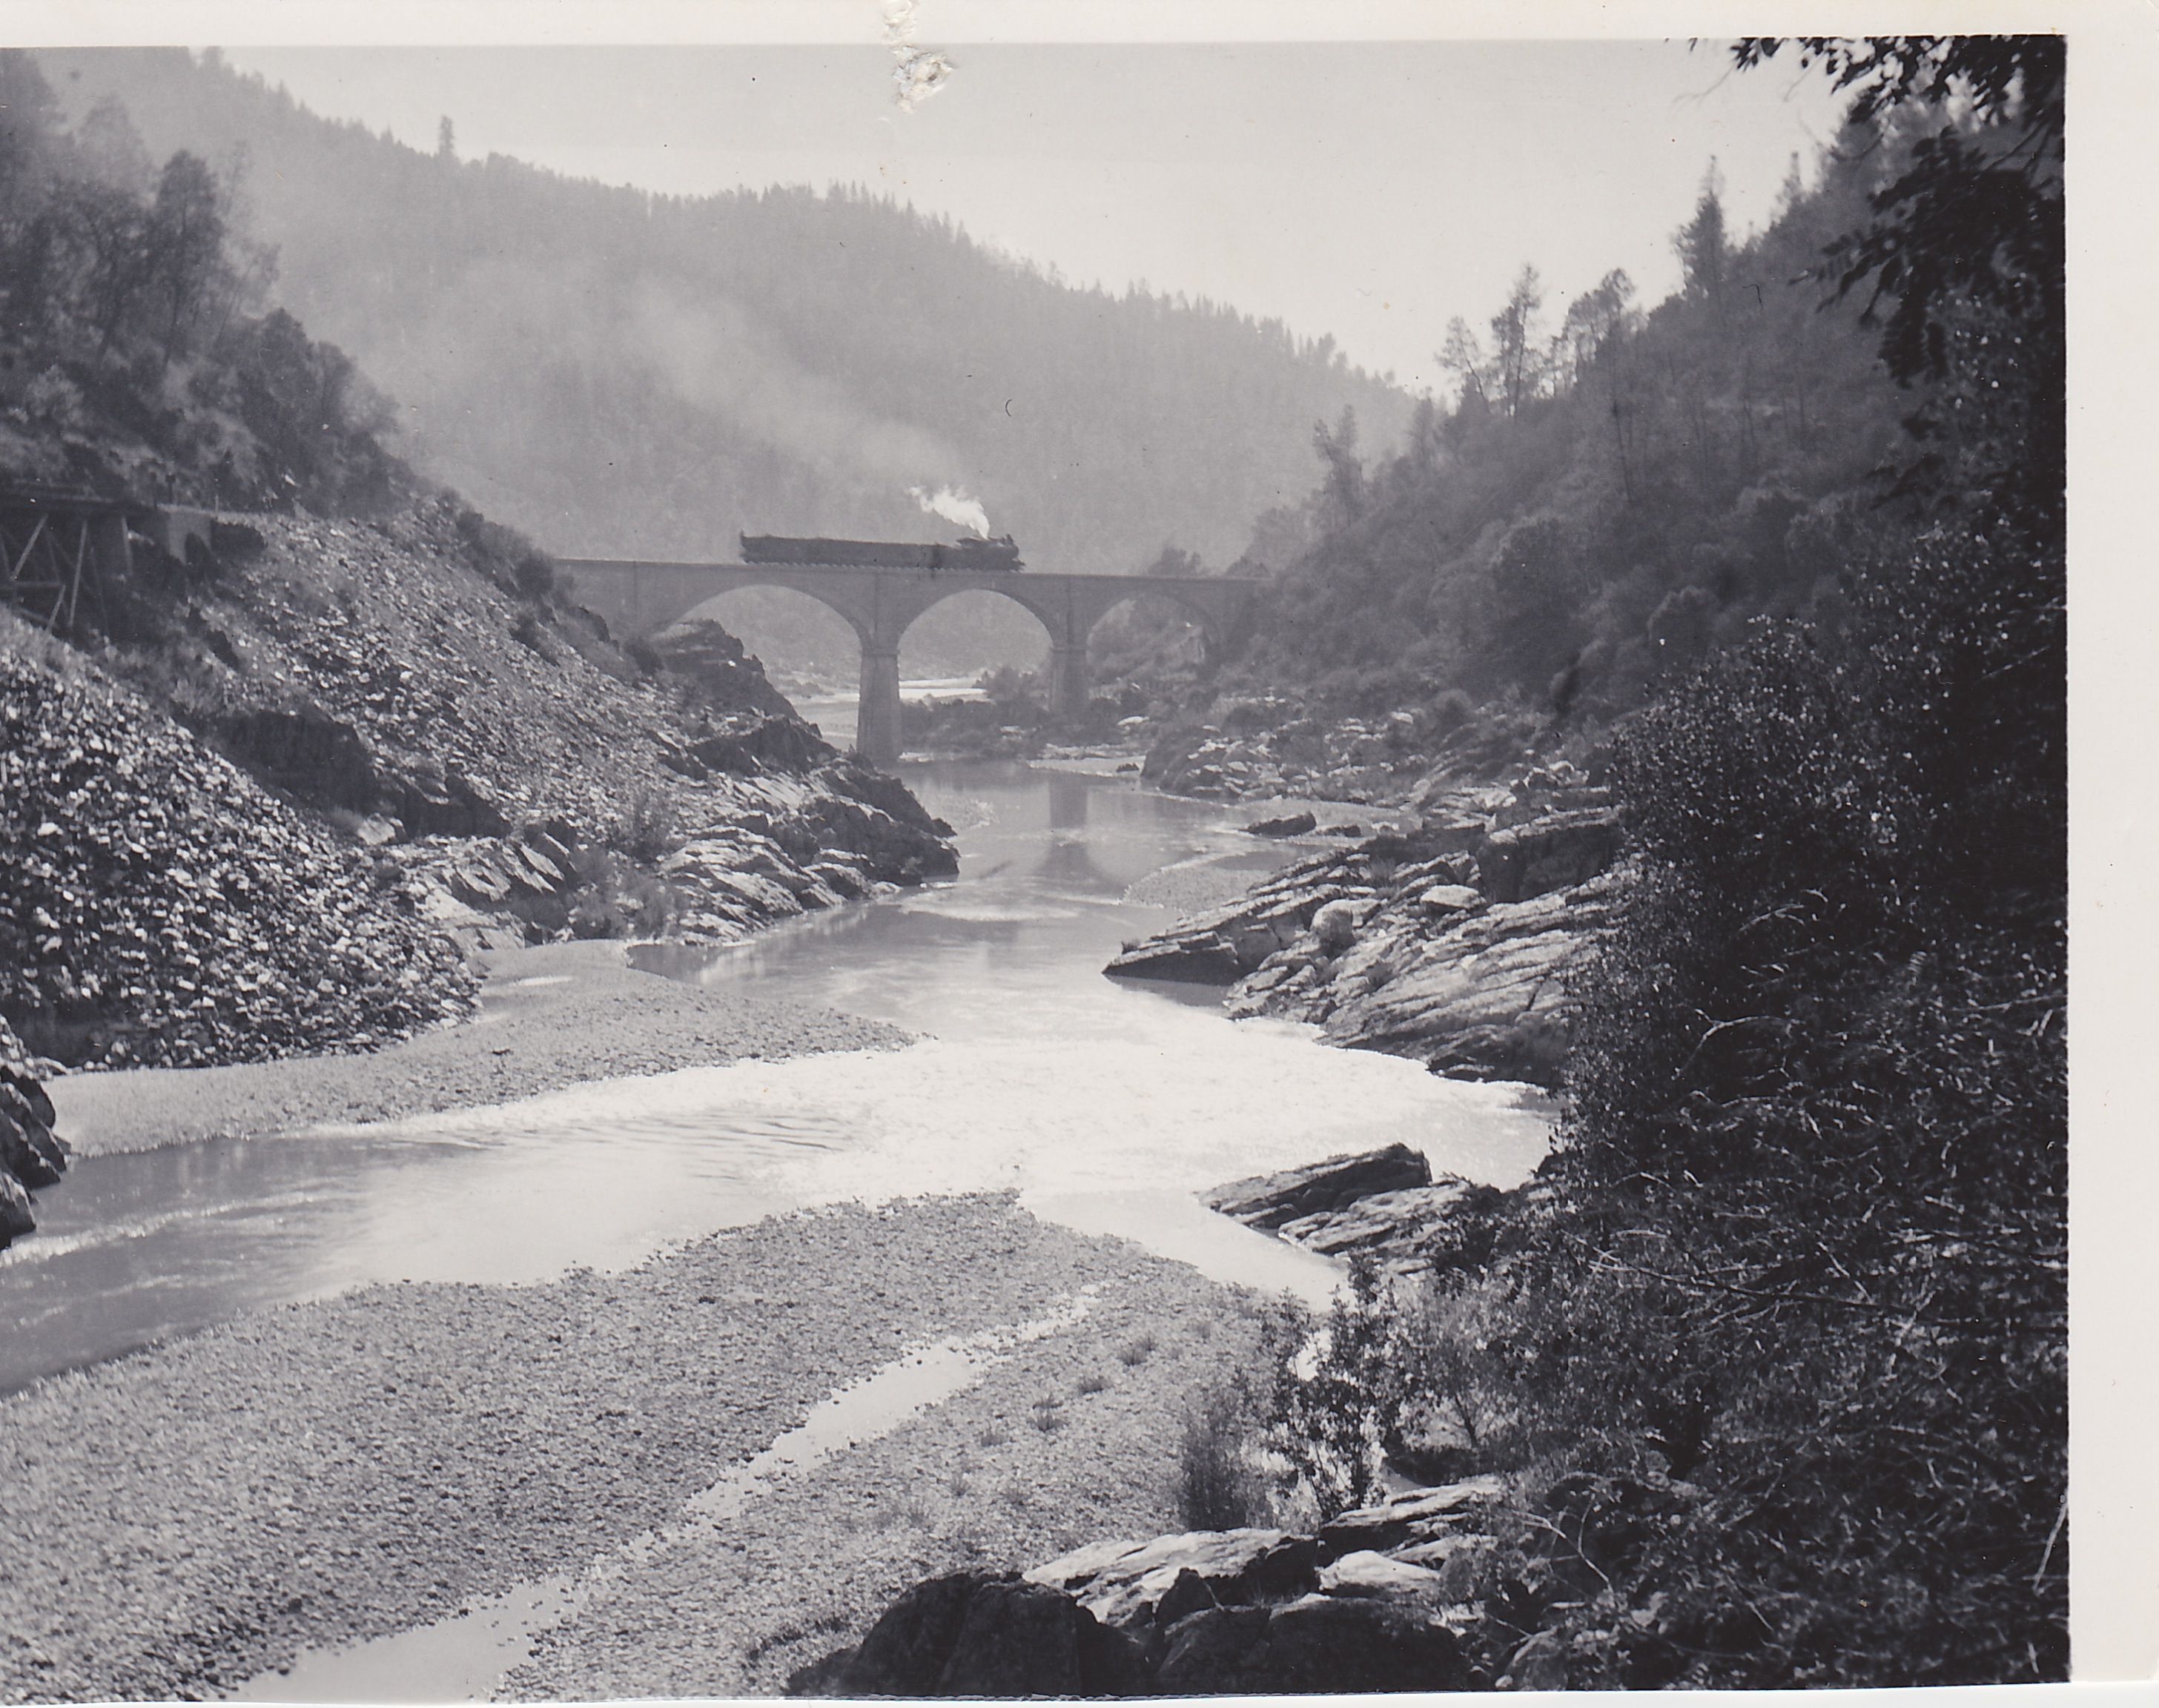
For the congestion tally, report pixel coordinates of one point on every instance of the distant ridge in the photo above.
(622, 373)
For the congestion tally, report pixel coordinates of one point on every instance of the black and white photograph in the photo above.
(877, 850)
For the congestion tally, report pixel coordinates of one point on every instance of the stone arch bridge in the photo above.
(640, 596)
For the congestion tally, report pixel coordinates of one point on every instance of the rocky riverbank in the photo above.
(1254, 746)
(1395, 1595)
(187, 1518)
(1449, 938)
(270, 806)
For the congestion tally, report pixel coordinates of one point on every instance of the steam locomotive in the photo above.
(968, 553)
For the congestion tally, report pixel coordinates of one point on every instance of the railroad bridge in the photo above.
(640, 596)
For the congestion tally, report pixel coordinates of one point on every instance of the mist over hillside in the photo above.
(619, 372)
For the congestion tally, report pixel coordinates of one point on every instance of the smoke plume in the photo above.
(954, 507)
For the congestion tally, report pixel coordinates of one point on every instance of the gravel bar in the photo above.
(1074, 1439)
(551, 1017)
(184, 1518)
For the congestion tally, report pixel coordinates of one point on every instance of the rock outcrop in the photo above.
(1225, 944)
(1383, 1205)
(974, 1634)
(1321, 1190)
(1143, 1590)
(1450, 941)
(1377, 1601)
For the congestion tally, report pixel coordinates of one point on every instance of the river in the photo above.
(1106, 1105)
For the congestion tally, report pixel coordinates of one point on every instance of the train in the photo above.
(968, 553)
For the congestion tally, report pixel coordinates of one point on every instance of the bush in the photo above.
(1217, 1486)
(534, 574)
(646, 828)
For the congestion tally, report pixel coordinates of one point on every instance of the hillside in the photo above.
(1617, 489)
(252, 793)
(777, 360)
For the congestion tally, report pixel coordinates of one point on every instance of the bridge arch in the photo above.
(880, 603)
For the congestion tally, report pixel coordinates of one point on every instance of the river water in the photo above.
(1105, 1104)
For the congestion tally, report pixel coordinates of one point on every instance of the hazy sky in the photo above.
(1367, 191)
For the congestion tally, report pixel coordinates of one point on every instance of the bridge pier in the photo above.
(877, 708)
(1068, 680)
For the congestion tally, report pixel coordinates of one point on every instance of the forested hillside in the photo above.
(1617, 487)
(617, 373)
(135, 354)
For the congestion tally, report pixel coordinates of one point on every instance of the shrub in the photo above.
(1217, 1486)
(534, 574)
(645, 829)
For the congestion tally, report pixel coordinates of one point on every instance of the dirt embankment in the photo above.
(182, 1519)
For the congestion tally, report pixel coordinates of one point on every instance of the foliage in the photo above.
(1607, 500)
(1774, 1351)
(1965, 249)
(1217, 1486)
(1339, 1387)
(778, 359)
(647, 829)
(132, 351)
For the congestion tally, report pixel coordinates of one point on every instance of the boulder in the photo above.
(1320, 1643)
(1416, 1515)
(1140, 1588)
(1335, 925)
(974, 1634)
(31, 1155)
(1203, 956)
(1299, 824)
(1270, 1200)
(28, 1149)
(1393, 1224)
(1378, 1577)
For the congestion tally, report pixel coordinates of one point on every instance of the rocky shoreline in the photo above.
(1449, 938)
(1386, 1597)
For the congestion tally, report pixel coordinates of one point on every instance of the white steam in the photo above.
(954, 507)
